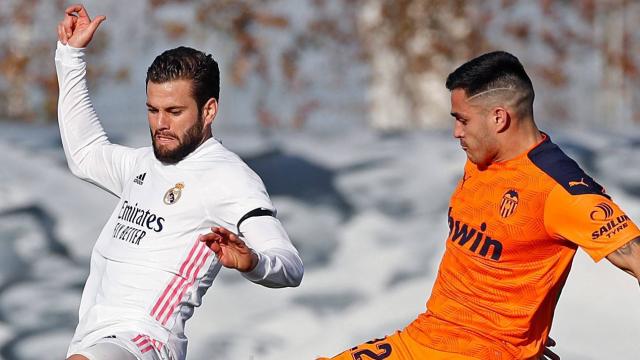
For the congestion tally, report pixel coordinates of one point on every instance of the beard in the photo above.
(191, 139)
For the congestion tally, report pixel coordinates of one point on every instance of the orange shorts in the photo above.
(399, 346)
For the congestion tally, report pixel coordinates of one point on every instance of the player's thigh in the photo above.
(103, 351)
(419, 351)
(387, 348)
(77, 357)
(399, 346)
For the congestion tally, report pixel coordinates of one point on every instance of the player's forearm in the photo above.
(80, 129)
(277, 268)
(627, 258)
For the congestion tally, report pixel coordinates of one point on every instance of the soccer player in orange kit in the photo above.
(516, 218)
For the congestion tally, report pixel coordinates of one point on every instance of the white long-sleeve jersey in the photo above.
(148, 269)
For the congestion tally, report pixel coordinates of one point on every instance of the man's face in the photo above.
(176, 126)
(473, 127)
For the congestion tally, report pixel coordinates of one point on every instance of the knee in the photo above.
(77, 357)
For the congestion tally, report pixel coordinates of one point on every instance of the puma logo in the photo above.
(576, 183)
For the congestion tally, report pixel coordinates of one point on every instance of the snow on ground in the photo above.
(367, 211)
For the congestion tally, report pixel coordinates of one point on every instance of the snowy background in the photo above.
(366, 208)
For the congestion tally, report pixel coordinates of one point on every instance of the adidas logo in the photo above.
(140, 179)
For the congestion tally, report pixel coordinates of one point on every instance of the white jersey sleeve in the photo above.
(279, 264)
(234, 193)
(89, 153)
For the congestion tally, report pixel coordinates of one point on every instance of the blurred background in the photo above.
(340, 106)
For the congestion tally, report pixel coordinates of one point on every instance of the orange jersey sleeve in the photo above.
(592, 221)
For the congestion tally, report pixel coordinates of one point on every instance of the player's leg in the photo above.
(387, 348)
(103, 351)
(124, 346)
(399, 346)
(419, 351)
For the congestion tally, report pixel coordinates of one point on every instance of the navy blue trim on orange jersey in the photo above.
(254, 213)
(548, 157)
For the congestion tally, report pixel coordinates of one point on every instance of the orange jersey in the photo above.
(514, 228)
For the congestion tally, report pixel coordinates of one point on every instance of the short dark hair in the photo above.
(494, 70)
(185, 63)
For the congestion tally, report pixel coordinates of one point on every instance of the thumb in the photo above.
(96, 22)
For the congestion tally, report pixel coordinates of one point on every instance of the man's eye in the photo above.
(152, 110)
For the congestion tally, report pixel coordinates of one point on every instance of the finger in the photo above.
(215, 247)
(69, 22)
(65, 36)
(96, 22)
(209, 237)
(82, 13)
(220, 230)
(236, 241)
(224, 232)
(73, 9)
(64, 39)
(74, 21)
(210, 241)
(60, 31)
(227, 237)
(550, 342)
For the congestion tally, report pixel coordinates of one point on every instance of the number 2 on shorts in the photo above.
(367, 354)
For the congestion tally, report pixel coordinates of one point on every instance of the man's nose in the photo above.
(458, 131)
(163, 120)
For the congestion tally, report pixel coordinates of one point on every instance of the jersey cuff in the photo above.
(69, 55)
(258, 273)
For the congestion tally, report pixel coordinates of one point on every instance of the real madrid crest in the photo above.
(173, 195)
(509, 203)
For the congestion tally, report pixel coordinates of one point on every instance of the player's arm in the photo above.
(89, 153)
(595, 223)
(267, 257)
(627, 257)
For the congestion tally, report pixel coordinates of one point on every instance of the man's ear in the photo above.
(501, 119)
(209, 111)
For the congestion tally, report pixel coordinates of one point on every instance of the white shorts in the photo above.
(126, 347)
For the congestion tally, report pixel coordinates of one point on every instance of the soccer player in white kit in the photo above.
(182, 202)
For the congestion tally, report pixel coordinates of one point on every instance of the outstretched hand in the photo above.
(232, 252)
(77, 28)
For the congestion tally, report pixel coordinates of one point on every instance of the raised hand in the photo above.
(77, 28)
(232, 252)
